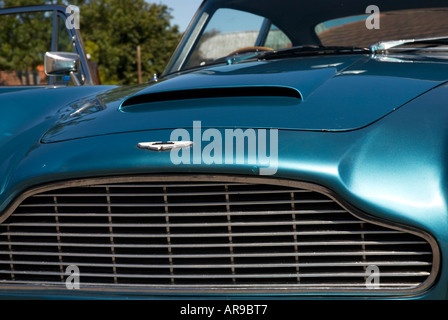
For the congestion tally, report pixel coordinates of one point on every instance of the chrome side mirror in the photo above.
(62, 63)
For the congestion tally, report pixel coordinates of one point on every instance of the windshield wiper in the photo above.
(299, 51)
(383, 46)
(310, 50)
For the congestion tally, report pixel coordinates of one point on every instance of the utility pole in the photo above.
(139, 65)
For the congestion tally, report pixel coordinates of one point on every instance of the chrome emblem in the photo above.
(164, 146)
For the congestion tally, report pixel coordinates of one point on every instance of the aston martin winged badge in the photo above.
(164, 146)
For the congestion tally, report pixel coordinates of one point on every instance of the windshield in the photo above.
(225, 28)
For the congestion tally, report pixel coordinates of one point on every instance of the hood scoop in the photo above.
(220, 92)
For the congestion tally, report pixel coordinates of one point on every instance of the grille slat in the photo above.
(194, 233)
(221, 276)
(182, 214)
(232, 265)
(174, 194)
(208, 256)
(225, 245)
(272, 287)
(183, 225)
(203, 235)
(184, 204)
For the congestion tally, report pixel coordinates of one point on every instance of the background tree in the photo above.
(22, 51)
(112, 30)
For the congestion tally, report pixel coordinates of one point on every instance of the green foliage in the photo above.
(117, 27)
(21, 49)
(112, 30)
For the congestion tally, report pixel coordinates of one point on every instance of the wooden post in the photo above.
(139, 65)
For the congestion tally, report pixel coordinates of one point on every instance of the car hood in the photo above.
(331, 93)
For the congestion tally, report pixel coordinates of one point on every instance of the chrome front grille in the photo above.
(203, 233)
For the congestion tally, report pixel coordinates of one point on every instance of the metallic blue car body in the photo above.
(383, 147)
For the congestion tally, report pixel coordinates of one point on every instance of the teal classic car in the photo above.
(291, 149)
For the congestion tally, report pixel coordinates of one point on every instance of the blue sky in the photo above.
(182, 10)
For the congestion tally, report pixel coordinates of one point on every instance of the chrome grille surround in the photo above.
(206, 234)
